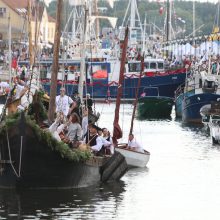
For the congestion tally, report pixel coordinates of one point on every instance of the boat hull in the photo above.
(179, 101)
(133, 158)
(155, 107)
(35, 165)
(191, 106)
(166, 84)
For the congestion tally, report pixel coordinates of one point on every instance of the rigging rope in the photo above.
(9, 154)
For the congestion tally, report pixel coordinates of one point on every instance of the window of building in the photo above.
(2, 12)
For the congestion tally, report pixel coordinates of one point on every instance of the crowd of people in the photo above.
(75, 129)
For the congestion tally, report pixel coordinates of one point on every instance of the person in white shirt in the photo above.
(134, 145)
(93, 139)
(109, 143)
(63, 103)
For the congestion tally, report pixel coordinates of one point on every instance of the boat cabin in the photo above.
(150, 65)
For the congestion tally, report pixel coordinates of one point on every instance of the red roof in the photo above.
(19, 5)
(16, 4)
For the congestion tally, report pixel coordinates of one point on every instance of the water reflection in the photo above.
(86, 203)
(182, 181)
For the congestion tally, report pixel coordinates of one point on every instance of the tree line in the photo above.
(155, 13)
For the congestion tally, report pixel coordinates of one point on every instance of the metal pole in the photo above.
(9, 49)
(83, 63)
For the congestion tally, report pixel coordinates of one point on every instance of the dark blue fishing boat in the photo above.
(102, 77)
(201, 89)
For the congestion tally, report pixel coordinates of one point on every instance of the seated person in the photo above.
(105, 143)
(133, 144)
(93, 139)
(109, 143)
(71, 132)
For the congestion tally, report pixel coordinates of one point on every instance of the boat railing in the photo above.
(179, 90)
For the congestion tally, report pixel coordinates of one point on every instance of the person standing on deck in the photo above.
(88, 102)
(63, 103)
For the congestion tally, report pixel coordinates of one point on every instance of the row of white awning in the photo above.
(211, 47)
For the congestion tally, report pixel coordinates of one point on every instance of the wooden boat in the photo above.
(134, 158)
(32, 158)
(155, 106)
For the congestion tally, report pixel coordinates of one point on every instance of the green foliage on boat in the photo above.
(45, 138)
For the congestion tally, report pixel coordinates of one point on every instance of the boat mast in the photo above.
(83, 55)
(144, 34)
(117, 132)
(218, 14)
(133, 10)
(97, 19)
(53, 88)
(194, 20)
(168, 22)
(9, 49)
(136, 95)
(31, 57)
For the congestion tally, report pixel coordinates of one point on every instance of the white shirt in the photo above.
(98, 145)
(105, 142)
(63, 104)
(4, 85)
(19, 89)
(134, 144)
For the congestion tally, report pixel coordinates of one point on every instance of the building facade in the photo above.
(43, 26)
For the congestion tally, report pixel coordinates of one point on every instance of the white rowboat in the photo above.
(134, 158)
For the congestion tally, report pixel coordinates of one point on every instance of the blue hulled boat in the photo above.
(193, 104)
(102, 77)
(201, 88)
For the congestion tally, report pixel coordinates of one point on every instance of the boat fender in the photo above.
(111, 166)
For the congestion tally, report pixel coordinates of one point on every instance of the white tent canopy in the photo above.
(184, 49)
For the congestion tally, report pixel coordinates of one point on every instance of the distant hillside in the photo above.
(205, 14)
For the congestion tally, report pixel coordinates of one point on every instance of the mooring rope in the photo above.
(20, 156)
(9, 153)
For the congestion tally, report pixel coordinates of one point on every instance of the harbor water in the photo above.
(180, 182)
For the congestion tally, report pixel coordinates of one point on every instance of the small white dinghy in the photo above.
(134, 158)
(214, 126)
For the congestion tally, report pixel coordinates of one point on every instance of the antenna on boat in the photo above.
(132, 5)
(83, 54)
(9, 49)
(31, 57)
